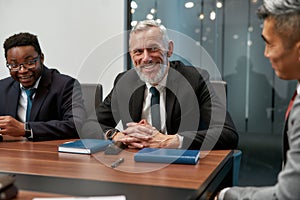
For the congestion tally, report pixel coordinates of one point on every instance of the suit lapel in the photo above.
(285, 141)
(171, 91)
(41, 93)
(13, 96)
(136, 103)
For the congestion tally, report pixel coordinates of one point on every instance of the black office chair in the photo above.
(92, 96)
(220, 88)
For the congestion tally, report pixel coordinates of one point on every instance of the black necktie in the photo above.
(155, 110)
(29, 93)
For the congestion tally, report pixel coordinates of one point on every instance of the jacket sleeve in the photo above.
(216, 129)
(288, 183)
(62, 112)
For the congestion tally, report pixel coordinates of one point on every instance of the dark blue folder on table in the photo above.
(161, 155)
(84, 146)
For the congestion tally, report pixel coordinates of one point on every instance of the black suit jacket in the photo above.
(57, 108)
(193, 110)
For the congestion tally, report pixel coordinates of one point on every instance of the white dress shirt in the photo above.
(146, 112)
(22, 107)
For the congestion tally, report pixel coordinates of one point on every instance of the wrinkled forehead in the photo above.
(146, 39)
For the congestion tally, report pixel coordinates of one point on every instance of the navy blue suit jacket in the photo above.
(57, 108)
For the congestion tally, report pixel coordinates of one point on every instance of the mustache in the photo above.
(149, 65)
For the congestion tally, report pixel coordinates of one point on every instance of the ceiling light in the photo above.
(153, 10)
(133, 5)
(249, 43)
(219, 4)
(189, 4)
(158, 21)
(201, 16)
(250, 29)
(133, 23)
(212, 15)
(235, 36)
(149, 16)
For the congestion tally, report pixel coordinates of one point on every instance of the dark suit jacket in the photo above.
(192, 108)
(57, 109)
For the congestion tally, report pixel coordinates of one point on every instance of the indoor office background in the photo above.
(230, 32)
(78, 37)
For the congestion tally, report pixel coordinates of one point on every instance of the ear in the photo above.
(298, 50)
(42, 58)
(170, 48)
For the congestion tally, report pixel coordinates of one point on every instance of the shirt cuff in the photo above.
(222, 193)
(180, 138)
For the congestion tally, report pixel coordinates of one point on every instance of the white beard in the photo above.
(156, 79)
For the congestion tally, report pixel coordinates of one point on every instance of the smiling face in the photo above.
(23, 54)
(285, 59)
(149, 55)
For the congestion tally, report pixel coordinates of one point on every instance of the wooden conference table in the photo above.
(40, 168)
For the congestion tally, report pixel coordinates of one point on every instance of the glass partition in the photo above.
(230, 32)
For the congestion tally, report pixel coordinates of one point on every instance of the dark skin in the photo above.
(27, 78)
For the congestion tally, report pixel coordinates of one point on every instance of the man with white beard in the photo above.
(188, 113)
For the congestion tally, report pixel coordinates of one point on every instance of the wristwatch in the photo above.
(109, 135)
(27, 130)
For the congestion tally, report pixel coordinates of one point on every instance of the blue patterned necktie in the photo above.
(29, 93)
(155, 109)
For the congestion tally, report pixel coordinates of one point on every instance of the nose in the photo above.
(266, 52)
(22, 68)
(146, 56)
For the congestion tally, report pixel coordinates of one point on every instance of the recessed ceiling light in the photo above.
(201, 16)
(133, 5)
(153, 10)
(212, 15)
(149, 16)
(189, 4)
(158, 21)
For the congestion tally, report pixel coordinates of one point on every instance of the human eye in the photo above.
(154, 49)
(137, 51)
(30, 63)
(13, 66)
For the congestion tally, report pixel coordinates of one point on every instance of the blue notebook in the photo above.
(161, 155)
(84, 146)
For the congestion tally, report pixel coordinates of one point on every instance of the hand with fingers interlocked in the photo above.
(142, 135)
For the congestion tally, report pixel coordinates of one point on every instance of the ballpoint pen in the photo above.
(117, 163)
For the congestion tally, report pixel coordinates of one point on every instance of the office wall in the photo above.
(81, 38)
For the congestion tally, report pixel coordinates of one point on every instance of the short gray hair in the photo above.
(286, 14)
(146, 25)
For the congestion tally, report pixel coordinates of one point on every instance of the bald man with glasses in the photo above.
(36, 102)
